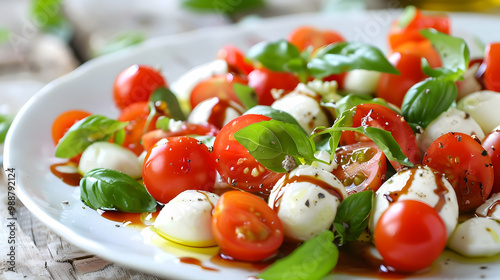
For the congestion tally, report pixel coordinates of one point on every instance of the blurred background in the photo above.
(41, 40)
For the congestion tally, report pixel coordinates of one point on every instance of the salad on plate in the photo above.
(303, 154)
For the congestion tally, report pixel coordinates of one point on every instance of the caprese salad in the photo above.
(309, 140)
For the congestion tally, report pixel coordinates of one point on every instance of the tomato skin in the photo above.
(491, 76)
(136, 114)
(245, 227)
(136, 83)
(263, 80)
(235, 164)
(64, 121)
(491, 144)
(176, 164)
(235, 59)
(410, 235)
(360, 160)
(467, 166)
(309, 36)
(220, 86)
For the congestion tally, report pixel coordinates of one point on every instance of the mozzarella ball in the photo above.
(325, 156)
(305, 106)
(360, 81)
(110, 156)
(490, 208)
(483, 107)
(420, 183)
(215, 111)
(470, 83)
(476, 237)
(453, 120)
(306, 200)
(187, 219)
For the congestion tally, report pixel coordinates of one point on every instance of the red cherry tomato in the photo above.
(491, 144)
(361, 166)
(410, 235)
(235, 59)
(308, 36)
(176, 164)
(135, 84)
(492, 67)
(246, 228)
(136, 114)
(64, 121)
(220, 86)
(235, 164)
(376, 115)
(264, 80)
(467, 166)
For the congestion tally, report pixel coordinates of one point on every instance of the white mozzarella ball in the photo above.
(423, 184)
(453, 120)
(325, 156)
(187, 219)
(360, 81)
(470, 83)
(483, 107)
(306, 200)
(476, 237)
(110, 156)
(490, 208)
(305, 106)
(214, 108)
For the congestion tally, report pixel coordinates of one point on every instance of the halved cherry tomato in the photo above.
(467, 167)
(410, 235)
(235, 164)
(264, 80)
(136, 83)
(309, 36)
(235, 59)
(491, 144)
(220, 86)
(64, 121)
(136, 114)
(361, 166)
(176, 164)
(492, 67)
(246, 228)
(376, 115)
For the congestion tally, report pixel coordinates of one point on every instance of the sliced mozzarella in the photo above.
(483, 107)
(423, 184)
(306, 200)
(187, 219)
(490, 208)
(360, 81)
(110, 156)
(476, 237)
(453, 120)
(214, 110)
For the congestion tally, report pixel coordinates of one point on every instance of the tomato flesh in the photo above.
(308, 36)
(64, 121)
(491, 144)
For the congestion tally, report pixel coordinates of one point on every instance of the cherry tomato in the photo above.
(467, 166)
(136, 83)
(176, 164)
(235, 59)
(136, 114)
(235, 164)
(220, 86)
(492, 67)
(376, 115)
(187, 129)
(410, 235)
(308, 36)
(361, 166)
(491, 144)
(411, 32)
(246, 228)
(264, 80)
(64, 121)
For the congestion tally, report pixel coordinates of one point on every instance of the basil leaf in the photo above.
(335, 131)
(246, 95)
(119, 137)
(426, 100)
(312, 260)
(278, 56)
(121, 41)
(408, 15)
(344, 57)
(109, 189)
(5, 122)
(4, 35)
(222, 6)
(91, 129)
(163, 123)
(352, 100)
(352, 215)
(269, 142)
(454, 54)
(274, 114)
(173, 109)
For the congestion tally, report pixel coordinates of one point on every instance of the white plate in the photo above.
(29, 147)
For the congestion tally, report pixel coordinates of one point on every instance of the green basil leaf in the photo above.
(312, 260)
(274, 114)
(352, 100)
(119, 137)
(163, 123)
(163, 94)
(222, 6)
(426, 100)
(109, 189)
(5, 122)
(246, 95)
(453, 51)
(278, 56)
(344, 57)
(408, 15)
(269, 142)
(91, 129)
(4, 35)
(352, 215)
(121, 41)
